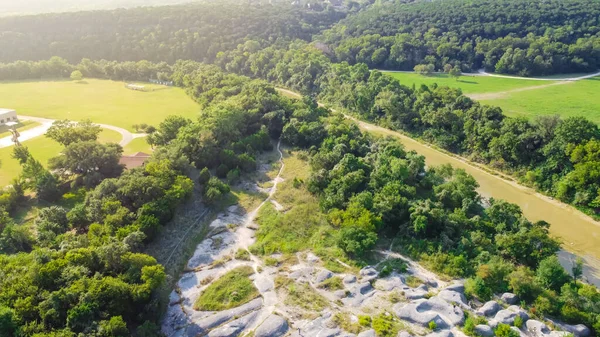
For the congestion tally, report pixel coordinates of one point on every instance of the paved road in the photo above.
(571, 79)
(47, 123)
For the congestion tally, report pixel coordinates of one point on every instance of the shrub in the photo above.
(222, 171)
(242, 254)
(271, 261)
(204, 176)
(518, 322)
(432, 325)
(504, 330)
(364, 320)
(386, 267)
(385, 326)
(476, 287)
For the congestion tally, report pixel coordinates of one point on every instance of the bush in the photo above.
(504, 330)
(242, 254)
(356, 240)
(233, 176)
(386, 267)
(364, 320)
(222, 171)
(385, 325)
(204, 176)
(432, 325)
(518, 322)
(476, 287)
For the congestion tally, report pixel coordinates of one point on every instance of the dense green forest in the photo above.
(508, 36)
(194, 31)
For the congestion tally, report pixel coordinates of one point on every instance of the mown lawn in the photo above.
(102, 101)
(137, 145)
(42, 149)
(468, 84)
(579, 98)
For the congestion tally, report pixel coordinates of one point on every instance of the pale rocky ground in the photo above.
(364, 293)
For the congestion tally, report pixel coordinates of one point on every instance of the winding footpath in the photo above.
(46, 123)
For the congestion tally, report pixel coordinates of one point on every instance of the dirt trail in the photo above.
(502, 94)
(232, 231)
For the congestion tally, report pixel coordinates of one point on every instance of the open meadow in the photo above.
(102, 101)
(522, 97)
(470, 84)
(578, 98)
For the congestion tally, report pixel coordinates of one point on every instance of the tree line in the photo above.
(509, 36)
(194, 31)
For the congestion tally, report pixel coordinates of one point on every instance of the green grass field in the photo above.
(42, 149)
(468, 84)
(579, 98)
(102, 101)
(137, 145)
(519, 97)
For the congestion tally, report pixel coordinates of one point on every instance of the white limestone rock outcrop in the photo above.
(509, 298)
(508, 315)
(578, 330)
(421, 312)
(368, 333)
(484, 330)
(273, 326)
(489, 309)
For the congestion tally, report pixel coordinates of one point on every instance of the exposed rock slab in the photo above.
(368, 333)
(273, 326)
(484, 330)
(509, 298)
(507, 316)
(489, 309)
(435, 309)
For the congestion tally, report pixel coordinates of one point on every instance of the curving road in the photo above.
(482, 72)
(46, 123)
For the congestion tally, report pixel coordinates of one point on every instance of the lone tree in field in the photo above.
(76, 75)
(455, 72)
(424, 69)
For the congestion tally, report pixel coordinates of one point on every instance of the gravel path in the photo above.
(47, 123)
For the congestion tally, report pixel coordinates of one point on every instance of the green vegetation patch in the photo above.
(570, 99)
(333, 283)
(305, 297)
(231, 290)
(469, 84)
(102, 101)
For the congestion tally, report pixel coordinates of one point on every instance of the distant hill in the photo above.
(9, 8)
